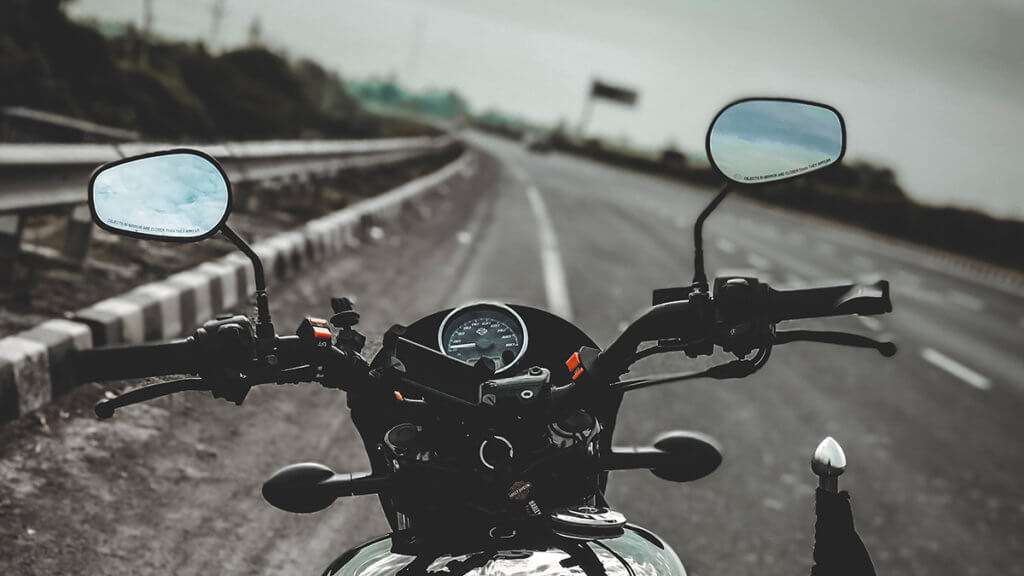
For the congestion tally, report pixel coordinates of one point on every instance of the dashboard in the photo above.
(484, 330)
(535, 337)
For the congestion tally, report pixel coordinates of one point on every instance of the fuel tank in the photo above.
(637, 552)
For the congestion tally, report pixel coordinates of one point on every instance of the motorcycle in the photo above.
(489, 426)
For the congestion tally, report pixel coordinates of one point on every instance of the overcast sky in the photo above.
(934, 88)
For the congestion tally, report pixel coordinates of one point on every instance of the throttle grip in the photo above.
(842, 300)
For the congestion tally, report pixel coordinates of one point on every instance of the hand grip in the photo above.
(862, 299)
(177, 357)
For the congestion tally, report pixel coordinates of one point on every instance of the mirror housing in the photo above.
(766, 140)
(179, 195)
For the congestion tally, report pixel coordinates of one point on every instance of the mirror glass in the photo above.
(173, 196)
(757, 141)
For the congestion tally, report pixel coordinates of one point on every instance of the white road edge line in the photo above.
(555, 284)
(955, 368)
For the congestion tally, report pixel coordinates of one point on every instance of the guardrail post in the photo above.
(11, 227)
(77, 233)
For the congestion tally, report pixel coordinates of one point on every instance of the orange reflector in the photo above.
(398, 396)
(573, 362)
(321, 333)
(577, 373)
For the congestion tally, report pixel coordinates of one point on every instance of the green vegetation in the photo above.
(389, 94)
(171, 90)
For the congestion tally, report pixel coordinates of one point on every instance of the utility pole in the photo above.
(217, 9)
(147, 30)
(588, 110)
(255, 33)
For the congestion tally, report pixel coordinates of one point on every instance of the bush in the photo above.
(171, 90)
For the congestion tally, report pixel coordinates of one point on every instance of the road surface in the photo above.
(934, 437)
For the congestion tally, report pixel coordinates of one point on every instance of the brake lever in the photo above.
(887, 349)
(726, 371)
(105, 408)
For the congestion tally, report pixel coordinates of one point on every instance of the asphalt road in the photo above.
(933, 436)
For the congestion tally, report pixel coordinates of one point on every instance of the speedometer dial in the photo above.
(494, 331)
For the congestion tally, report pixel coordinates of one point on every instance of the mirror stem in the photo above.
(264, 326)
(700, 278)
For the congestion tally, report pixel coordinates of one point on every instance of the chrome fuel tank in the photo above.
(637, 552)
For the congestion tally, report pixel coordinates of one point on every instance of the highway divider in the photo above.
(35, 365)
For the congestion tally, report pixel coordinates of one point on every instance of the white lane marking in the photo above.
(862, 261)
(955, 368)
(726, 245)
(758, 261)
(555, 284)
(972, 303)
(905, 277)
(871, 322)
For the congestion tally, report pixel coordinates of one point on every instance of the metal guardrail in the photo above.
(18, 123)
(39, 177)
(52, 178)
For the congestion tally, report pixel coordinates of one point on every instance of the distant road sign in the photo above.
(620, 94)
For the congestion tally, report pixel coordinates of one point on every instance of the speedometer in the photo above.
(494, 331)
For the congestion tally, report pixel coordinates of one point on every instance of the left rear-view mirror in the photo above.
(178, 195)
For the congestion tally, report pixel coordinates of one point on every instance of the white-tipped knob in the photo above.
(828, 463)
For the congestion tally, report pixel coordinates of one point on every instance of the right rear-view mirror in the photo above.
(762, 140)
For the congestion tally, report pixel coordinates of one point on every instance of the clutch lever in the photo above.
(886, 349)
(105, 408)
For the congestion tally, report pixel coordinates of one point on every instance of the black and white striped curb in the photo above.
(35, 364)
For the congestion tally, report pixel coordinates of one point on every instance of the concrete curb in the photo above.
(35, 364)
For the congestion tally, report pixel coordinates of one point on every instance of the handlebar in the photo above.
(740, 301)
(230, 358)
(124, 362)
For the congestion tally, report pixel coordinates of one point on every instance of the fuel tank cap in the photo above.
(587, 522)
